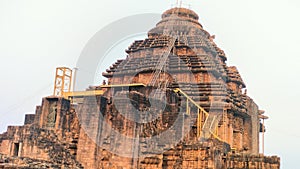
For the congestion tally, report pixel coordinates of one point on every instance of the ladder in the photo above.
(161, 62)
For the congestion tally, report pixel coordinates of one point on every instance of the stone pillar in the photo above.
(230, 131)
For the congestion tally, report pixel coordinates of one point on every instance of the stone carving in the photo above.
(51, 118)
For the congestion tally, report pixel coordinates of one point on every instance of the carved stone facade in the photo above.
(91, 133)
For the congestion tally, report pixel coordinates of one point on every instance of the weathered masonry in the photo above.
(173, 102)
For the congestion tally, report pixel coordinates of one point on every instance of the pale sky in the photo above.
(261, 38)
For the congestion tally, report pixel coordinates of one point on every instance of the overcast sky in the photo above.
(261, 38)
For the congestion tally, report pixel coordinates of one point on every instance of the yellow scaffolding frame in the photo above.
(123, 85)
(67, 95)
(202, 115)
(63, 81)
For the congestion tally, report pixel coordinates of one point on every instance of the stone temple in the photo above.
(173, 102)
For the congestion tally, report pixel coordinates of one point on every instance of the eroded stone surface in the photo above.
(90, 134)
